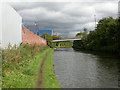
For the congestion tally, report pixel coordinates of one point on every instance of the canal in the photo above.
(86, 70)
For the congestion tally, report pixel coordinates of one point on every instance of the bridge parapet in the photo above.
(69, 39)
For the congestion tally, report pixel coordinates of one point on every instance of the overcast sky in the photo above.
(65, 18)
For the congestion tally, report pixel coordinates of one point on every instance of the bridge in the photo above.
(61, 43)
(67, 39)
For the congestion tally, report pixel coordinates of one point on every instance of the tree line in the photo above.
(105, 37)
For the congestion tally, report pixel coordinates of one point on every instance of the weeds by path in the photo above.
(20, 66)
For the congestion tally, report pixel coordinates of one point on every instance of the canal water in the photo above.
(86, 70)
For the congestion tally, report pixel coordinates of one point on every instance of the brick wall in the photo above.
(30, 38)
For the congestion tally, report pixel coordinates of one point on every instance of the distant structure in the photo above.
(29, 37)
(55, 35)
(41, 32)
(119, 9)
(37, 28)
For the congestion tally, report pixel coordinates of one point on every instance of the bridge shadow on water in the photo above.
(64, 49)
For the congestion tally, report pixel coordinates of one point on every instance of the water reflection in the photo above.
(85, 70)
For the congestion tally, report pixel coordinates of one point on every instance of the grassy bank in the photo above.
(21, 67)
(49, 77)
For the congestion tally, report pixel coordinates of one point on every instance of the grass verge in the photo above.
(21, 66)
(49, 78)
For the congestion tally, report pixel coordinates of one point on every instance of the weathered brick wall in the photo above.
(30, 38)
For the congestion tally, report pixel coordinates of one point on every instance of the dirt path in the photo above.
(40, 79)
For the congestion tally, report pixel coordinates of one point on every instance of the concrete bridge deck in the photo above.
(69, 39)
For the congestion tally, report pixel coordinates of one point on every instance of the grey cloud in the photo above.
(66, 18)
(53, 6)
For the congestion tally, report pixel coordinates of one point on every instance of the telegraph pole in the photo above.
(119, 9)
(36, 26)
(95, 21)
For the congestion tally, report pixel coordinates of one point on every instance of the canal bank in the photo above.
(86, 69)
(26, 72)
(47, 77)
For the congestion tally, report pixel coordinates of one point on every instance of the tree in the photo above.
(81, 43)
(48, 38)
(106, 37)
(82, 35)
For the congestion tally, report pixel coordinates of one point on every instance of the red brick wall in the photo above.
(29, 37)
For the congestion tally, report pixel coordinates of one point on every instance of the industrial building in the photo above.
(41, 32)
(11, 30)
(30, 38)
(10, 26)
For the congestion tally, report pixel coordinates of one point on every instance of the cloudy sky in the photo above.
(65, 18)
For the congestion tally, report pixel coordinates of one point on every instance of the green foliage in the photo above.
(104, 38)
(49, 77)
(48, 37)
(78, 45)
(20, 66)
(62, 44)
(83, 35)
